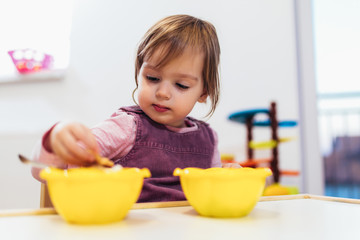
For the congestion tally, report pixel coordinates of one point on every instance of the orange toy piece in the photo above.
(289, 172)
(254, 162)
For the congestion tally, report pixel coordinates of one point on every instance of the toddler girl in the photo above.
(176, 66)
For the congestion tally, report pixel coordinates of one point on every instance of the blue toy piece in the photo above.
(267, 123)
(243, 115)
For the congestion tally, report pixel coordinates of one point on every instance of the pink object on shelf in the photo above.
(29, 60)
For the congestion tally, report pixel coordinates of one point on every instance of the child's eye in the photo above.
(181, 86)
(152, 79)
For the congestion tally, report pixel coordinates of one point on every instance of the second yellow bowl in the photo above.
(223, 192)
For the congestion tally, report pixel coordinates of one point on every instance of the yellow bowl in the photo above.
(94, 195)
(223, 192)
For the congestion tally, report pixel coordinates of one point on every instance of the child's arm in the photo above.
(114, 136)
(216, 160)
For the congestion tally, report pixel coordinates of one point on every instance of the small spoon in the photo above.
(102, 162)
(33, 163)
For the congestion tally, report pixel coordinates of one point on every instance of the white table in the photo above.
(284, 217)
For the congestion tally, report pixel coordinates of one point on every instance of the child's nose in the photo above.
(164, 91)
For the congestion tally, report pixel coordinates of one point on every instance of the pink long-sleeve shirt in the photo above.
(115, 137)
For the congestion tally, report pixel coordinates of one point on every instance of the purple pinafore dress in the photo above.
(161, 151)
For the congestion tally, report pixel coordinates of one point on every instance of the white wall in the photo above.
(258, 65)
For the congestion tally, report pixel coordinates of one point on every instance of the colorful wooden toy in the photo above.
(247, 117)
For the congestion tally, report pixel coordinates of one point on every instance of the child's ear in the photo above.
(203, 97)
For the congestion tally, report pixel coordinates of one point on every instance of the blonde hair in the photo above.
(174, 34)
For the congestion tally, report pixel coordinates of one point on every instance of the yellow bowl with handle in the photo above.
(94, 195)
(223, 192)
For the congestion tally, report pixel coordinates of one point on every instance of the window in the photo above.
(337, 49)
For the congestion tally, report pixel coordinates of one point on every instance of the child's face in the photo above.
(167, 95)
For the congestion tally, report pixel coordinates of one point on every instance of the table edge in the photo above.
(49, 211)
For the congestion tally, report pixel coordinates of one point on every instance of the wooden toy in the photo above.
(247, 117)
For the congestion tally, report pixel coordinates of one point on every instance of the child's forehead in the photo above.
(163, 55)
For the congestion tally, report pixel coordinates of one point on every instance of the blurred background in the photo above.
(304, 55)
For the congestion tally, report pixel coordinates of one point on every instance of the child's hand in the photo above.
(231, 165)
(74, 143)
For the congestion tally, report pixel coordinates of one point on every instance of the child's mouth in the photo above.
(159, 108)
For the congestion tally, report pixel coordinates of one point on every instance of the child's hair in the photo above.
(174, 34)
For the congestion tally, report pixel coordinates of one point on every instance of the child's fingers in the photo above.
(69, 155)
(85, 136)
(78, 141)
(65, 143)
(66, 147)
